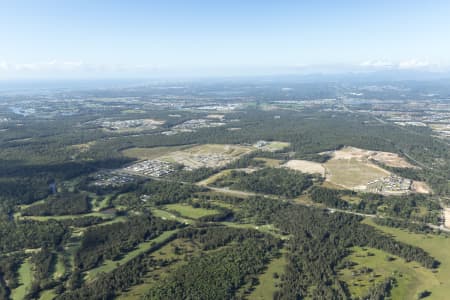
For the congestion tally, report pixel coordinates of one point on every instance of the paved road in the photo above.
(252, 194)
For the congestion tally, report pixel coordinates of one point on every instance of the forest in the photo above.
(206, 232)
(281, 182)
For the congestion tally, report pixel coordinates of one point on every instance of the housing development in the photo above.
(123, 182)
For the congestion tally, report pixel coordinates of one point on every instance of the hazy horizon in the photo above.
(114, 39)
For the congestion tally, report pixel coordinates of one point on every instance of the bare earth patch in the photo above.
(388, 158)
(421, 187)
(305, 167)
(447, 217)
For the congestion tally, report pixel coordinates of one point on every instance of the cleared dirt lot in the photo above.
(421, 187)
(387, 158)
(447, 217)
(306, 166)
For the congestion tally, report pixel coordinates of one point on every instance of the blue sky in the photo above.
(102, 38)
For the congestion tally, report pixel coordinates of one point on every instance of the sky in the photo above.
(101, 39)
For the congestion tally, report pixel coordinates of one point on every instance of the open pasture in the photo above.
(352, 173)
(306, 166)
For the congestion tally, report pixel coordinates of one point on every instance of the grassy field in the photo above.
(47, 295)
(269, 162)
(224, 205)
(110, 265)
(151, 153)
(168, 216)
(411, 277)
(71, 248)
(436, 245)
(351, 173)
(60, 269)
(113, 220)
(267, 281)
(100, 203)
(25, 280)
(330, 185)
(18, 215)
(188, 211)
(275, 146)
